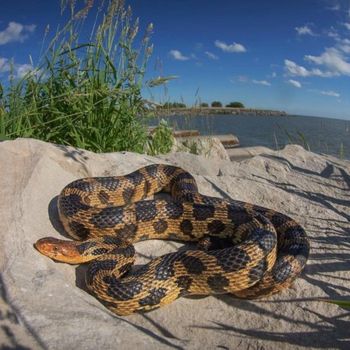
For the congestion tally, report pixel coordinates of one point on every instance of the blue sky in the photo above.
(288, 55)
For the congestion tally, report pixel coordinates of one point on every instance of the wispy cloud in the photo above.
(347, 25)
(305, 30)
(241, 79)
(211, 55)
(294, 83)
(177, 55)
(19, 70)
(261, 82)
(234, 47)
(4, 65)
(344, 45)
(293, 69)
(23, 69)
(245, 79)
(332, 33)
(334, 7)
(198, 46)
(16, 32)
(330, 93)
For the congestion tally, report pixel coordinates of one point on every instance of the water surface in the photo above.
(320, 135)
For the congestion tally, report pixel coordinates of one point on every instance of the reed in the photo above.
(342, 303)
(341, 151)
(85, 92)
(161, 139)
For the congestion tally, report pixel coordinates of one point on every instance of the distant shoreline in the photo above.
(169, 112)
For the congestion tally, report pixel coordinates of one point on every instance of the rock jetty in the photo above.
(167, 112)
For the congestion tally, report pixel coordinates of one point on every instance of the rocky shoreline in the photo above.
(194, 111)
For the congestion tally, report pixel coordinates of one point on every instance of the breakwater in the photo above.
(166, 112)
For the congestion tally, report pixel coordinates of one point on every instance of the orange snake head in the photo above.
(59, 250)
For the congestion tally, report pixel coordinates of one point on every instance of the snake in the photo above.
(233, 247)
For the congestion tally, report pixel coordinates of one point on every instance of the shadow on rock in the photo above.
(55, 219)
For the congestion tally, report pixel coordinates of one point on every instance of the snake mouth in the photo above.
(59, 250)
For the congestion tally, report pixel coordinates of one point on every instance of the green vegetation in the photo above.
(342, 303)
(161, 139)
(85, 94)
(173, 105)
(235, 105)
(216, 104)
(300, 139)
(190, 146)
(341, 151)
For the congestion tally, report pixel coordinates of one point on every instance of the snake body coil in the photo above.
(243, 249)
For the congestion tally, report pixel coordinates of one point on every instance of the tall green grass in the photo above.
(161, 139)
(85, 92)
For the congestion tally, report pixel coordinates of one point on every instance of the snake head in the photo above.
(59, 250)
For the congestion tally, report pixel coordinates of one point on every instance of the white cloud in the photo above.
(343, 45)
(330, 93)
(347, 25)
(234, 47)
(262, 82)
(332, 33)
(293, 69)
(305, 30)
(23, 69)
(4, 65)
(177, 55)
(211, 55)
(19, 70)
(16, 32)
(332, 59)
(245, 79)
(294, 83)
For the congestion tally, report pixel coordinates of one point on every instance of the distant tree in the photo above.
(216, 104)
(179, 105)
(174, 105)
(204, 104)
(166, 105)
(235, 105)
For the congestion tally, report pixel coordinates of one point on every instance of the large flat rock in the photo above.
(44, 304)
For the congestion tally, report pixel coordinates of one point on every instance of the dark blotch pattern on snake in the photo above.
(243, 249)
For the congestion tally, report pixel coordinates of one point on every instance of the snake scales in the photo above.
(243, 249)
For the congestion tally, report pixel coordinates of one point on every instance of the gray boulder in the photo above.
(44, 304)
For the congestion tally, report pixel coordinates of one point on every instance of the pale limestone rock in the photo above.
(44, 304)
(206, 146)
(242, 153)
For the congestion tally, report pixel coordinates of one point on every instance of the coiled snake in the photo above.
(243, 249)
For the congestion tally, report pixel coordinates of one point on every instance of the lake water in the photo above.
(320, 135)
